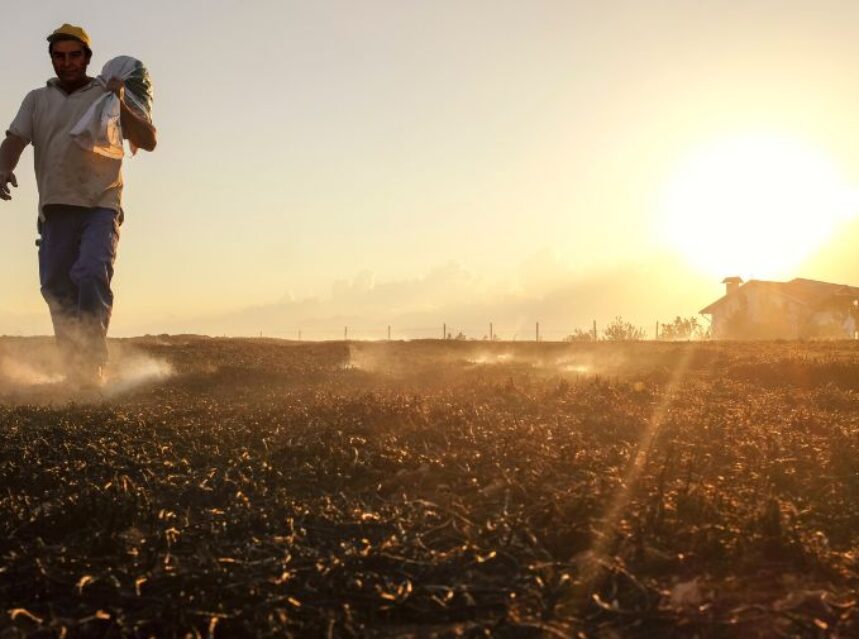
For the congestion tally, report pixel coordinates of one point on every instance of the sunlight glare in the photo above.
(754, 206)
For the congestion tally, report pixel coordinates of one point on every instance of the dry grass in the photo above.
(433, 489)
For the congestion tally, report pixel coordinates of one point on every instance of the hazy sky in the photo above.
(394, 161)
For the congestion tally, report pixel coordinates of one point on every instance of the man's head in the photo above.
(69, 48)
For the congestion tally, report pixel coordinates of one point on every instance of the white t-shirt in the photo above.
(66, 173)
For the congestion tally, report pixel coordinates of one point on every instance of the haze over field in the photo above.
(329, 163)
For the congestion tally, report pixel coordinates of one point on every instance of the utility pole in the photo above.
(345, 333)
(538, 331)
(595, 330)
(491, 332)
(444, 331)
(657, 330)
(389, 332)
(299, 335)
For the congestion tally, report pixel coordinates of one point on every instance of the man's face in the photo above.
(70, 61)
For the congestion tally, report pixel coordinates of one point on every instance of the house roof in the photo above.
(806, 292)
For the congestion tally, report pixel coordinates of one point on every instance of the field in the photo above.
(263, 488)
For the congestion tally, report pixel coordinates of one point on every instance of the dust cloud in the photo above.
(29, 362)
(414, 359)
(22, 373)
(32, 366)
(582, 364)
(129, 369)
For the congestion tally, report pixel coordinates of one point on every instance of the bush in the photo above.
(579, 335)
(622, 331)
(682, 329)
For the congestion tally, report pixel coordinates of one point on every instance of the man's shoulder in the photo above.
(39, 93)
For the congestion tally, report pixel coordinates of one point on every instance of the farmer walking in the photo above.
(80, 195)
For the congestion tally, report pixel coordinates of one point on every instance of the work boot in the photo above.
(88, 376)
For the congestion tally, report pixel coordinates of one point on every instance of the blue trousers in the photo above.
(76, 256)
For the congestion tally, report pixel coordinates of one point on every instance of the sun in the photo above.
(754, 206)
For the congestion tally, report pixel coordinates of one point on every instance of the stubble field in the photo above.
(259, 488)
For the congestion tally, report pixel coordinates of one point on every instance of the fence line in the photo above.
(490, 331)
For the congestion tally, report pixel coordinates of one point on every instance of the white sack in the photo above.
(99, 130)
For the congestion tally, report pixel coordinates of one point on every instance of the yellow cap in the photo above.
(71, 31)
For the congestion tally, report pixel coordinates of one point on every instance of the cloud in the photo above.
(547, 290)
(444, 285)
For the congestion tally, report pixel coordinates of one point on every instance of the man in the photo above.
(79, 199)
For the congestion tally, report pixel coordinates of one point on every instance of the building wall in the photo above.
(832, 323)
(763, 312)
(758, 313)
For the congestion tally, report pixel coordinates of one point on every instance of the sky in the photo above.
(330, 163)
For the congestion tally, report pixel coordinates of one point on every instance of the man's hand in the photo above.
(117, 87)
(6, 178)
(10, 152)
(135, 127)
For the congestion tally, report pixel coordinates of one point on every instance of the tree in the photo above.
(621, 331)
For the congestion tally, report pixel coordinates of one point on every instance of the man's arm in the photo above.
(10, 152)
(135, 127)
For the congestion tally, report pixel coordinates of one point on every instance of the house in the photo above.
(798, 309)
